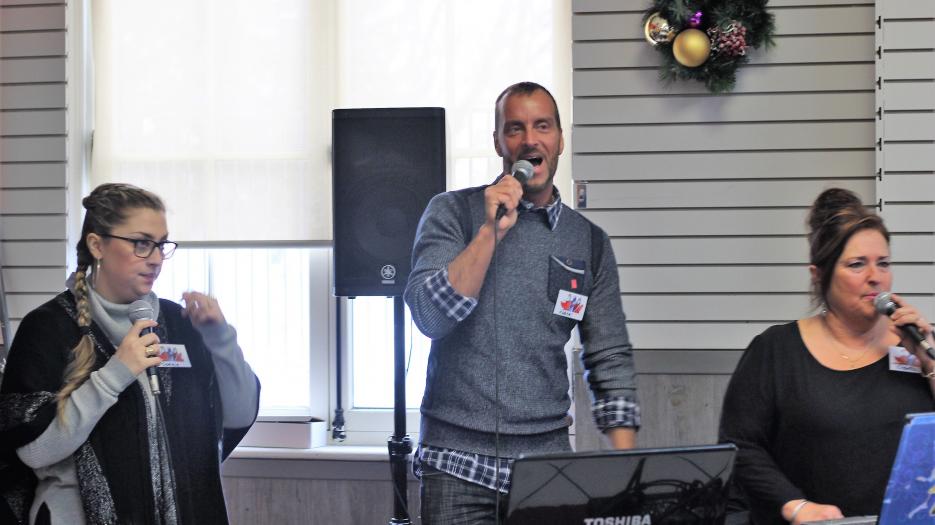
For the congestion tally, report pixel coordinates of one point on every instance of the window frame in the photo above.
(321, 341)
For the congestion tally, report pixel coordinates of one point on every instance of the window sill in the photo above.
(328, 452)
(331, 462)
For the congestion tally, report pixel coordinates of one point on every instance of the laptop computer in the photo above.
(632, 487)
(910, 491)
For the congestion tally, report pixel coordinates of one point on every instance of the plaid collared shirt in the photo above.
(490, 471)
(485, 471)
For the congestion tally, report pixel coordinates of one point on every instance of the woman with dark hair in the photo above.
(83, 436)
(814, 406)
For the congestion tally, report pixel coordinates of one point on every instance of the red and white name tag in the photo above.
(570, 304)
(173, 356)
(901, 360)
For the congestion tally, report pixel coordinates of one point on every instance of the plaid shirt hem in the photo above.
(468, 466)
(455, 305)
(619, 411)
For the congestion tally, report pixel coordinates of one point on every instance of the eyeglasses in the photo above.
(143, 248)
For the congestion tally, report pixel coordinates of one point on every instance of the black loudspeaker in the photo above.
(388, 163)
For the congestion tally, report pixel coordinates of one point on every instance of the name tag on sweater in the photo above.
(570, 304)
(173, 356)
(901, 360)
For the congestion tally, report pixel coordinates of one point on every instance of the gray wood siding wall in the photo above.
(905, 132)
(705, 196)
(33, 132)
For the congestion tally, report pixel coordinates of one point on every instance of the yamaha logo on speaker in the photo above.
(388, 273)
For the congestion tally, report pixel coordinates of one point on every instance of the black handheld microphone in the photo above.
(884, 304)
(522, 171)
(140, 310)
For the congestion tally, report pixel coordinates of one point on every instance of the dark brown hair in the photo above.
(106, 208)
(523, 88)
(836, 215)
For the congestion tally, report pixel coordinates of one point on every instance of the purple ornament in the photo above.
(695, 20)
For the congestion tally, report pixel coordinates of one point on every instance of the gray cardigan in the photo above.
(514, 315)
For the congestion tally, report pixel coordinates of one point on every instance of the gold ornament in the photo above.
(691, 47)
(657, 29)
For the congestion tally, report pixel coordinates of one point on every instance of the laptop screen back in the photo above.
(910, 493)
(634, 487)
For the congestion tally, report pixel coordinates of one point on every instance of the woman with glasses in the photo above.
(816, 406)
(84, 438)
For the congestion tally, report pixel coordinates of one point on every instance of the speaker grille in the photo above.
(388, 164)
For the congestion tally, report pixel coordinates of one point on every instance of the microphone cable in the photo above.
(522, 170)
(496, 373)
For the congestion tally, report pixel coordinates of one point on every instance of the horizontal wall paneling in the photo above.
(33, 175)
(32, 18)
(749, 108)
(789, 50)
(715, 194)
(28, 149)
(751, 79)
(803, 20)
(731, 164)
(32, 227)
(30, 280)
(41, 96)
(764, 279)
(612, 6)
(18, 201)
(725, 136)
(41, 122)
(26, 253)
(32, 44)
(25, 70)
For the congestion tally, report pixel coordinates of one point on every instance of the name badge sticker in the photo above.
(570, 304)
(173, 356)
(901, 360)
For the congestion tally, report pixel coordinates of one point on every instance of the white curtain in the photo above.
(223, 107)
(458, 55)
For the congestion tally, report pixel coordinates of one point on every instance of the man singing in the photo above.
(499, 298)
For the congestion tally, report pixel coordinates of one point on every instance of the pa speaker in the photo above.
(387, 164)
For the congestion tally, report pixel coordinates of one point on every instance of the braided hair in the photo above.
(106, 208)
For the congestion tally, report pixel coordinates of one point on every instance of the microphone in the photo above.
(140, 310)
(884, 304)
(522, 171)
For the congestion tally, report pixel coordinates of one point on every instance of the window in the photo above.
(223, 107)
(371, 323)
(273, 296)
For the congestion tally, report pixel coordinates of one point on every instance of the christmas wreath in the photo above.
(706, 40)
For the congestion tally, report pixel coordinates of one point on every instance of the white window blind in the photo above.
(222, 107)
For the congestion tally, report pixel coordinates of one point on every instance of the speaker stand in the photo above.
(399, 444)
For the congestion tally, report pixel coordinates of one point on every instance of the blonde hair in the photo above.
(106, 208)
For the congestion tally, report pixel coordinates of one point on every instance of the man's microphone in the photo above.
(522, 171)
(140, 310)
(885, 305)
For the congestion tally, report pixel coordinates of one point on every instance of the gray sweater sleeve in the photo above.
(83, 409)
(608, 354)
(236, 381)
(439, 239)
